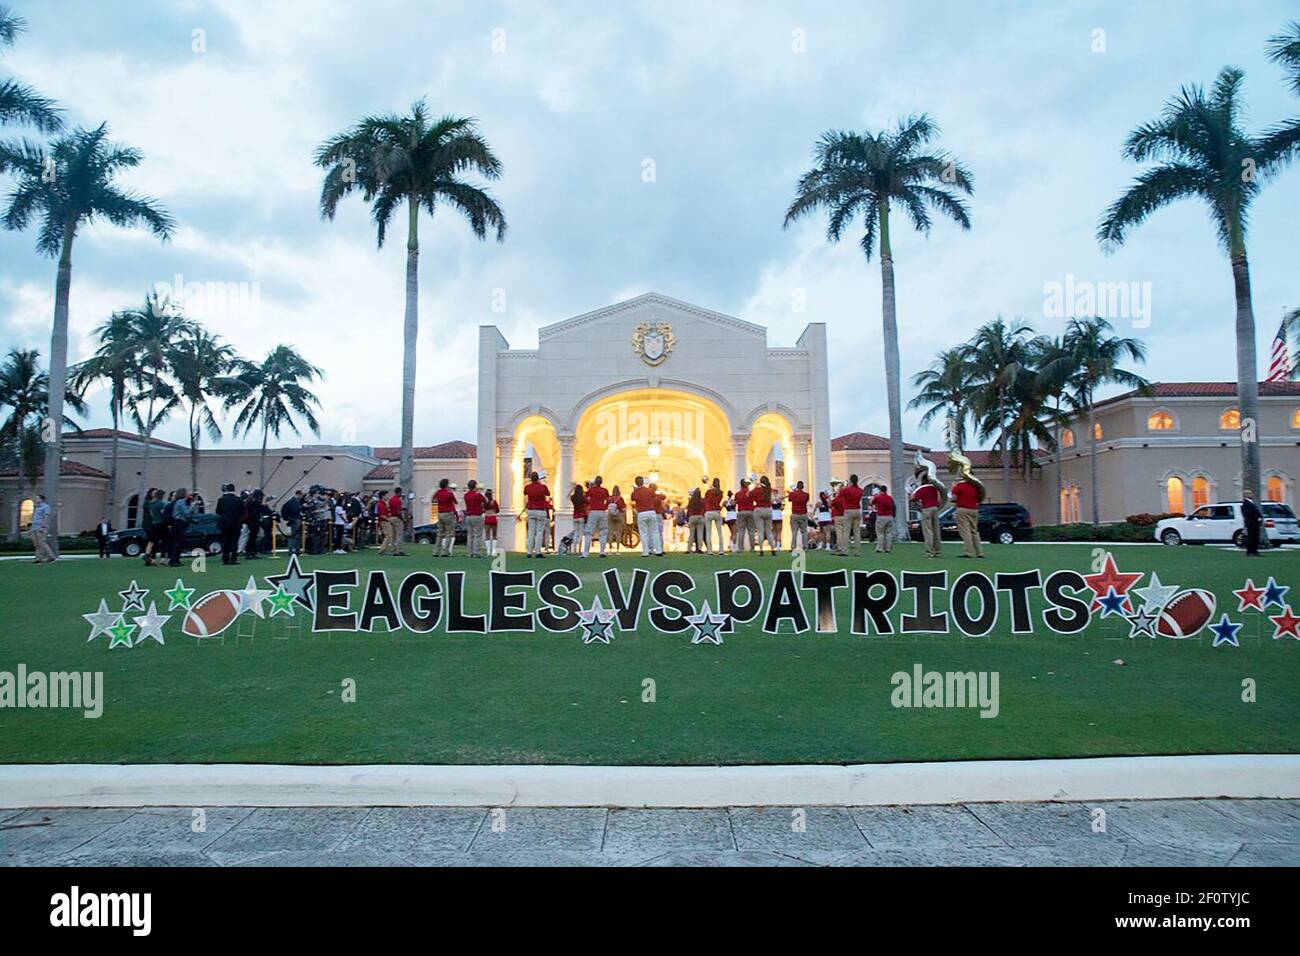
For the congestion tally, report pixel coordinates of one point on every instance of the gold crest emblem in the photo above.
(653, 341)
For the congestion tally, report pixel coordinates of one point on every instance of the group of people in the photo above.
(479, 511)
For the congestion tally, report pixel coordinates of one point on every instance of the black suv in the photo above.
(202, 532)
(1001, 522)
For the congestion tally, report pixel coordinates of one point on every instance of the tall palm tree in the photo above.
(1284, 50)
(21, 104)
(270, 393)
(869, 175)
(1202, 151)
(944, 389)
(115, 362)
(200, 363)
(1098, 354)
(68, 187)
(1000, 356)
(417, 162)
(1033, 418)
(154, 327)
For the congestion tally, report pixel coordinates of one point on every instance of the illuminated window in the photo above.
(1067, 437)
(1070, 512)
(1174, 496)
(1160, 421)
(1096, 430)
(25, 513)
(1230, 420)
(1295, 418)
(1200, 491)
(1275, 490)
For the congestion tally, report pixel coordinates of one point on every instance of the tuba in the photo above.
(959, 464)
(923, 472)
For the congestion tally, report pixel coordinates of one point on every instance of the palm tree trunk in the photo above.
(1006, 460)
(410, 333)
(261, 466)
(1092, 461)
(889, 339)
(194, 453)
(1060, 474)
(148, 446)
(58, 378)
(112, 468)
(1247, 375)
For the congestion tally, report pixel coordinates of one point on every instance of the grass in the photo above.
(545, 698)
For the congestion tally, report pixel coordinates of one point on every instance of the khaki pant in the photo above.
(446, 539)
(884, 534)
(763, 528)
(538, 526)
(385, 535)
(712, 527)
(397, 530)
(744, 531)
(617, 521)
(799, 532)
(968, 526)
(42, 546)
(853, 532)
(930, 531)
(695, 537)
(841, 523)
(474, 535)
(597, 525)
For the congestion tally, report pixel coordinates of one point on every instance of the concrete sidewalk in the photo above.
(1139, 833)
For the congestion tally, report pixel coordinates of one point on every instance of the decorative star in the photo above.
(1109, 577)
(151, 624)
(1113, 603)
(1286, 624)
(1225, 632)
(1249, 596)
(251, 598)
(101, 620)
(299, 585)
(597, 623)
(120, 633)
(133, 597)
(179, 596)
(281, 602)
(1142, 621)
(708, 626)
(1275, 593)
(1156, 595)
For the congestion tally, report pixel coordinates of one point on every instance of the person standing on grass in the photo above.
(744, 519)
(695, 538)
(578, 499)
(729, 518)
(798, 499)
(839, 527)
(537, 502)
(1253, 520)
(445, 499)
(102, 530)
(397, 522)
(966, 496)
(597, 516)
(380, 506)
(713, 515)
(474, 520)
(340, 522)
(926, 497)
(290, 512)
(883, 505)
(778, 519)
(40, 531)
(851, 500)
(178, 524)
(490, 511)
(648, 523)
(617, 517)
(761, 496)
(230, 513)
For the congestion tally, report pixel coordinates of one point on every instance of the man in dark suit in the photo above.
(230, 516)
(102, 531)
(1253, 518)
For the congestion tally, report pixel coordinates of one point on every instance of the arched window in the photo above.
(1067, 438)
(1230, 420)
(1096, 430)
(1200, 491)
(1174, 495)
(1160, 421)
(133, 511)
(25, 510)
(1070, 504)
(1275, 489)
(1295, 418)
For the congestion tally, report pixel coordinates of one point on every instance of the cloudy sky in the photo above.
(229, 98)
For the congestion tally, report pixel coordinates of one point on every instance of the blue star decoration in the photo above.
(1112, 603)
(1225, 632)
(597, 623)
(294, 582)
(1275, 593)
(708, 626)
(133, 597)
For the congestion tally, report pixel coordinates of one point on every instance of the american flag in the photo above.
(1279, 366)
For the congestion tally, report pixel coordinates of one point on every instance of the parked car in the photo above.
(1222, 523)
(1000, 522)
(202, 532)
(428, 533)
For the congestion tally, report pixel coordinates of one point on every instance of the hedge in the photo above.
(1121, 531)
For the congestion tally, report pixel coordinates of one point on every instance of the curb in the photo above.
(985, 781)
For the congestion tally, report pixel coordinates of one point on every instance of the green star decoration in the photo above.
(120, 633)
(281, 602)
(179, 596)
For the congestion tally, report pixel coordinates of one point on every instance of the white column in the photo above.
(505, 492)
(739, 465)
(564, 476)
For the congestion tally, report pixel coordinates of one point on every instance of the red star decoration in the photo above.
(1249, 596)
(1108, 578)
(1286, 624)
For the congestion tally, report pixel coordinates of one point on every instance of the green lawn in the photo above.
(547, 698)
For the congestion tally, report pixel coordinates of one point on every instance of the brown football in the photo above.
(1186, 614)
(212, 614)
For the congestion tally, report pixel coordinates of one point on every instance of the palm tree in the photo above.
(868, 175)
(154, 327)
(270, 394)
(1054, 368)
(1202, 151)
(200, 363)
(1098, 354)
(21, 104)
(944, 389)
(67, 188)
(1032, 417)
(115, 362)
(1284, 50)
(395, 160)
(1000, 356)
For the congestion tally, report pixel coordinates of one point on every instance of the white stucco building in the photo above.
(654, 387)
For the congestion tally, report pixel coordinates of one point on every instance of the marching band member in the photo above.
(597, 516)
(744, 518)
(474, 520)
(648, 523)
(761, 497)
(798, 517)
(713, 515)
(537, 501)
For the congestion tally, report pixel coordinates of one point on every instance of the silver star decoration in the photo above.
(597, 623)
(295, 582)
(133, 597)
(708, 626)
(151, 624)
(100, 621)
(251, 598)
(1142, 621)
(1155, 595)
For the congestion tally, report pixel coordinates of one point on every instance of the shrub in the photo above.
(1119, 532)
(1146, 519)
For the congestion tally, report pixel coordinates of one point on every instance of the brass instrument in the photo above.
(924, 472)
